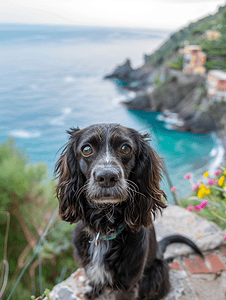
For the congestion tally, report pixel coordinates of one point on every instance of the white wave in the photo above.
(169, 126)
(67, 111)
(127, 97)
(24, 134)
(170, 118)
(213, 152)
(218, 154)
(174, 121)
(119, 99)
(69, 79)
(60, 121)
(160, 117)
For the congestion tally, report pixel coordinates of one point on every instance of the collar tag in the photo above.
(97, 239)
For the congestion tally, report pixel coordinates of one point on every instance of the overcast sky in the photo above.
(158, 14)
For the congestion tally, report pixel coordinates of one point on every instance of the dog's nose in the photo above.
(107, 177)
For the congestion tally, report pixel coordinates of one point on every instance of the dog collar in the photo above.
(110, 237)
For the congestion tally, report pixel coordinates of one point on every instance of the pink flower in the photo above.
(204, 203)
(210, 181)
(217, 172)
(225, 238)
(187, 176)
(195, 187)
(190, 208)
(173, 188)
(197, 207)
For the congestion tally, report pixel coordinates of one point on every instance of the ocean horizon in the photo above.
(52, 79)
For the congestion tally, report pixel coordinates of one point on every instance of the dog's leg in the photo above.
(91, 291)
(131, 294)
(154, 284)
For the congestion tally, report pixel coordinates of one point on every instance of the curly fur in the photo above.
(131, 264)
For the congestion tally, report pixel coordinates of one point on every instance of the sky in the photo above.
(151, 14)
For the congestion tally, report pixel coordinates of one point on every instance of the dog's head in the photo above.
(108, 165)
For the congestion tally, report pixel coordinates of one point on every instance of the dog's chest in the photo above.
(96, 270)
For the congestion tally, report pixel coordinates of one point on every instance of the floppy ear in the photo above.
(71, 180)
(147, 176)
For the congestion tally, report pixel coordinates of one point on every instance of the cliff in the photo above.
(184, 95)
(173, 92)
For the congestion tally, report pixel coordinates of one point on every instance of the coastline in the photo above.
(177, 96)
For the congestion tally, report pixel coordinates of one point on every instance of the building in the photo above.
(212, 34)
(216, 85)
(194, 60)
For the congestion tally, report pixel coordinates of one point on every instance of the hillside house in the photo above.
(212, 34)
(216, 85)
(194, 60)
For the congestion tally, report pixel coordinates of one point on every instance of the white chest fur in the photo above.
(96, 270)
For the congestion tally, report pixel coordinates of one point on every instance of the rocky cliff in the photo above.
(184, 95)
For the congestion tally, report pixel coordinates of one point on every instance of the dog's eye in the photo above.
(126, 149)
(87, 150)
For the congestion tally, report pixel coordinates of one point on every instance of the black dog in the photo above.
(109, 183)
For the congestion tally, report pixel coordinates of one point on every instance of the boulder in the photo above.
(126, 73)
(142, 101)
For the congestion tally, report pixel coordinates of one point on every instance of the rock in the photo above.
(182, 94)
(65, 293)
(121, 72)
(177, 285)
(74, 287)
(126, 73)
(177, 220)
(143, 101)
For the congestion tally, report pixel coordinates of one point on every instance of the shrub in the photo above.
(28, 195)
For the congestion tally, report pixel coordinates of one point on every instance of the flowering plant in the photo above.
(210, 193)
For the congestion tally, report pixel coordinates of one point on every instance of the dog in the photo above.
(109, 184)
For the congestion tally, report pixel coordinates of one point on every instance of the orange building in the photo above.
(216, 85)
(212, 34)
(194, 60)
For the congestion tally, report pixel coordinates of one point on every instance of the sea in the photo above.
(52, 79)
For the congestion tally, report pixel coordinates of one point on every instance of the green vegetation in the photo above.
(29, 199)
(176, 63)
(208, 197)
(194, 34)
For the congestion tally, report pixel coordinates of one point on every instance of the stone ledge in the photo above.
(177, 220)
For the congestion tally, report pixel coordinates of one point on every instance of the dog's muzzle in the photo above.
(107, 185)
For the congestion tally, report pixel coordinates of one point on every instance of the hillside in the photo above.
(167, 54)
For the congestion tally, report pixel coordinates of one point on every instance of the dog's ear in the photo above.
(147, 176)
(70, 181)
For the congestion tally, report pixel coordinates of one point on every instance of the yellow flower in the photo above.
(224, 187)
(221, 181)
(208, 191)
(203, 191)
(206, 174)
(224, 172)
(201, 194)
(202, 187)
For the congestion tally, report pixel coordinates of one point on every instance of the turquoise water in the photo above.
(52, 79)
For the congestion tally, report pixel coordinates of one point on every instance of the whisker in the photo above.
(134, 185)
(82, 189)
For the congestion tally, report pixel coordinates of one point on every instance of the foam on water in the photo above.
(24, 134)
(218, 154)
